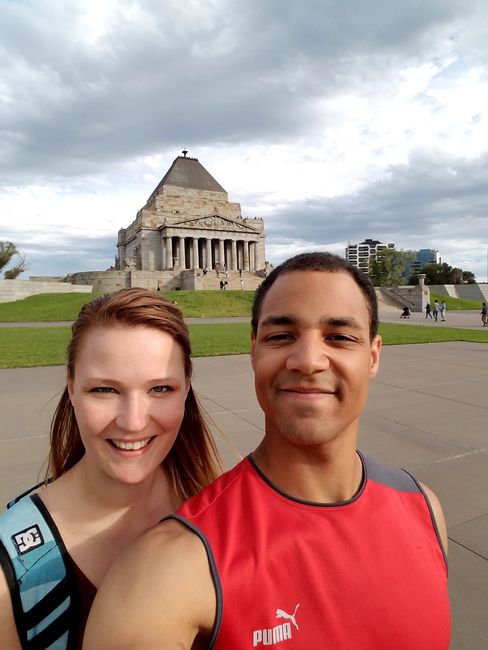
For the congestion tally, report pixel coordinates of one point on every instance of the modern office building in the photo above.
(359, 254)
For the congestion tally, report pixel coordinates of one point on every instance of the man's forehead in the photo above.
(327, 293)
(293, 283)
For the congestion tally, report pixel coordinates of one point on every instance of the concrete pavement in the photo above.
(427, 412)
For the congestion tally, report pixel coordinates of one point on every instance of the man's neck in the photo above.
(312, 474)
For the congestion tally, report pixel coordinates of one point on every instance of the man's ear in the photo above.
(376, 344)
(253, 341)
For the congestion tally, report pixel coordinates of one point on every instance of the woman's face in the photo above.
(128, 393)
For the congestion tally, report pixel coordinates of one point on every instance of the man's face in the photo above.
(313, 358)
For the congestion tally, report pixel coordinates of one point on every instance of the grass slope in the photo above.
(65, 306)
(22, 347)
(454, 303)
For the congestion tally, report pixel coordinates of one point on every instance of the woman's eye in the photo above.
(102, 389)
(161, 389)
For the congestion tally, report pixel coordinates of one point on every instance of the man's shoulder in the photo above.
(211, 495)
(397, 478)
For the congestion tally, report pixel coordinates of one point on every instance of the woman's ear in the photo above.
(69, 385)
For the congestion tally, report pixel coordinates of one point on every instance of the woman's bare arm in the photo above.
(158, 595)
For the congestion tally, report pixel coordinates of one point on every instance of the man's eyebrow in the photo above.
(325, 321)
(281, 319)
(341, 321)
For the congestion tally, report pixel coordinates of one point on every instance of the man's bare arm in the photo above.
(159, 595)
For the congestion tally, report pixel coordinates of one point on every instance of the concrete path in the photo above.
(428, 412)
(465, 319)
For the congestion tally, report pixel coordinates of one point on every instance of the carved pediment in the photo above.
(214, 222)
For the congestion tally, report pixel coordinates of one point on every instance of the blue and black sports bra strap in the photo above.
(40, 576)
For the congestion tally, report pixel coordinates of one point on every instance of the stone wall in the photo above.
(413, 296)
(477, 291)
(11, 290)
(189, 280)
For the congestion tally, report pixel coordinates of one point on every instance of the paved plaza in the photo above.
(427, 412)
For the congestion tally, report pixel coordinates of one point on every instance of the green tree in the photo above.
(446, 274)
(8, 251)
(389, 268)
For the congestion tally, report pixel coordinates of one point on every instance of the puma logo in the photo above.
(290, 617)
(277, 634)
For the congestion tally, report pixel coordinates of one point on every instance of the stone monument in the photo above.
(186, 234)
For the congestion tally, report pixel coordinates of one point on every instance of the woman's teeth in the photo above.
(131, 446)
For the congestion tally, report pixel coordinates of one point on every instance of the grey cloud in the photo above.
(168, 74)
(430, 200)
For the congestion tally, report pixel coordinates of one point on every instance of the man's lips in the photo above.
(307, 390)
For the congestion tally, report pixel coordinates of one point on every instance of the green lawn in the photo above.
(455, 303)
(65, 306)
(194, 304)
(22, 347)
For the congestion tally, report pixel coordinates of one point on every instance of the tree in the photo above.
(8, 251)
(446, 274)
(389, 268)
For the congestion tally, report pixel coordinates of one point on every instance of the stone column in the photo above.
(162, 266)
(424, 291)
(121, 257)
(195, 262)
(208, 253)
(181, 253)
(221, 253)
(233, 254)
(169, 253)
(252, 255)
(246, 255)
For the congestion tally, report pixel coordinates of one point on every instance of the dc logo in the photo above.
(28, 539)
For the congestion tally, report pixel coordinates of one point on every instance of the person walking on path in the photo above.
(443, 310)
(436, 310)
(484, 314)
(307, 542)
(428, 311)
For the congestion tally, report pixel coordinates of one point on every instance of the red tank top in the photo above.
(366, 574)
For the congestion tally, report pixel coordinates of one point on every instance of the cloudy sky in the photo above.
(334, 120)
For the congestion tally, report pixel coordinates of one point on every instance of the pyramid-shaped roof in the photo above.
(189, 174)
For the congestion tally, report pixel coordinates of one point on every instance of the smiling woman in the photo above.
(129, 443)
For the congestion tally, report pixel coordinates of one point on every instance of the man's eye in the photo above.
(280, 336)
(341, 337)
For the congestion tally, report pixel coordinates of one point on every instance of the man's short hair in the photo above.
(318, 261)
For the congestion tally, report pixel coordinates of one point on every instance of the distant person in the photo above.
(307, 543)
(129, 444)
(442, 310)
(428, 311)
(436, 310)
(221, 284)
(484, 314)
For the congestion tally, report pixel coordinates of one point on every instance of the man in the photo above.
(306, 543)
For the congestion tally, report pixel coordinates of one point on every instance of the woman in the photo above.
(128, 444)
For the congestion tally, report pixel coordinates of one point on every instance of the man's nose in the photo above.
(308, 355)
(133, 413)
